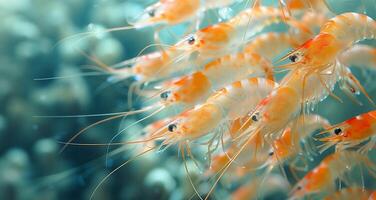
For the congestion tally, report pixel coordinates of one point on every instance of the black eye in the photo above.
(299, 187)
(172, 127)
(151, 13)
(337, 131)
(191, 40)
(271, 153)
(255, 117)
(293, 58)
(165, 95)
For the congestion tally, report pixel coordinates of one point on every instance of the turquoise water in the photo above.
(36, 42)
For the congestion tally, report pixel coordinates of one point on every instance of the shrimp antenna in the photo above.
(92, 34)
(117, 168)
(181, 147)
(123, 114)
(134, 123)
(228, 164)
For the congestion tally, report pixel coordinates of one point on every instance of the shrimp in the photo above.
(172, 12)
(285, 148)
(322, 52)
(332, 167)
(349, 194)
(191, 89)
(226, 104)
(168, 12)
(220, 39)
(352, 133)
(336, 35)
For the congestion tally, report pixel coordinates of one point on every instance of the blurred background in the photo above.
(32, 47)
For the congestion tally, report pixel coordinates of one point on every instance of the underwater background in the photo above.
(32, 46)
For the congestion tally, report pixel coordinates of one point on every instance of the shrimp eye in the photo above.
(271, 153)
(165, 95)
(255, 117)
(151, 13)
(299, 187)
(293, 58)
(172, 127)
(337, 131)
(191, 40)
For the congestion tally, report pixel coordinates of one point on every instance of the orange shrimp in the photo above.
(171, 12)
(352, 133)
(285, 148)
(228, 103)
(193, 88)
(168, 12)
(332, 167)
(336, 35)
(350, 193)
(220, 39)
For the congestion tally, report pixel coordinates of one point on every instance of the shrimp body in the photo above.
(168, 12)
(274, 112)
(349, 28)
(154, 66)
(227, 104)
(195, 88)
(331, 167)
(172, 12)
(323, 176)
(336, 35)
(353, 132)
(262, 43)
(220, 39)
(286, 146)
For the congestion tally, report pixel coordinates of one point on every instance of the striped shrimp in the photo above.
(352, 133)
(227, 104)
(336, 35)
(284, 148)
(171, 12)
(220, 39)
(196, 87)
(350, 193)
(331, 168)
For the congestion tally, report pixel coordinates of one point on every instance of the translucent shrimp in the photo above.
(226, 104)
(334, 166)
(274, 113)
(168, 12)
(154, 66)
(222, 38)
(318, 6)
(352, 133)
(336, 35)
(192, 89)
(285, 148)
(350, 193)
(171, 12)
